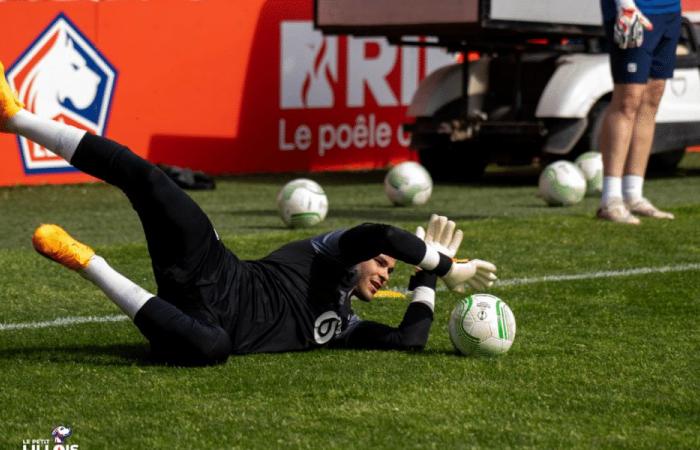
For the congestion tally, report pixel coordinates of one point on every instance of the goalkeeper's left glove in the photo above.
(443, 236)
(478, 274)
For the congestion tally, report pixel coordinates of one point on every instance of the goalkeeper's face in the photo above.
(372, 275)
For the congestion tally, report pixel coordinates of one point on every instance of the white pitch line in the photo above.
(61, 322)
(601, 274)
(68, 321)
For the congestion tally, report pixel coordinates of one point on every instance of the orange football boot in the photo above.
(56, 244)
(9, 102)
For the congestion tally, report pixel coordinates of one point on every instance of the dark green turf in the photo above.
(597, 363)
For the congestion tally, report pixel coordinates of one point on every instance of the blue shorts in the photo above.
(655, 59)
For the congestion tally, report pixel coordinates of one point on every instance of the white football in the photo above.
(591, 164)
(408, 183)
(562, 184)
(302, 203)
(482, 324)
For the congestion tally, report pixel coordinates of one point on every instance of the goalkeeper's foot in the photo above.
(9, 103)
(56, 244)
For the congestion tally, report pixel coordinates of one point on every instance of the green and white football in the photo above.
(591, 164)
(408, 183)
(302, 203)
(562, 184)
(482, 324)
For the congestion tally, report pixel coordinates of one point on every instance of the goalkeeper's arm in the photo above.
(368, 240)
(411, 334)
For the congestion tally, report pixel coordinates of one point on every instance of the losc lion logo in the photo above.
(62, 76)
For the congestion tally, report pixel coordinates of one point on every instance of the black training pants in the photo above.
(182, 244)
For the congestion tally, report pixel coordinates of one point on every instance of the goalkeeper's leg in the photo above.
(179, 234)
(176, 228)
(181, 239)
(174, 335)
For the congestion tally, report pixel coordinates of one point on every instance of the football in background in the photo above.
(482, 324)
(408, 183)
(302, 203)
(562, 184)
(591, 165)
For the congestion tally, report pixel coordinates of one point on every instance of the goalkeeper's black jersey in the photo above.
(293, 299)
(298, 297)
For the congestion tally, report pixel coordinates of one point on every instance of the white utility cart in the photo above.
(538, 89)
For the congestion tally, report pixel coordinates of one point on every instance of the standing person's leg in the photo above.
(666, 35)
(615, 137)
(644, 127)
(640, 150)
(630, 69)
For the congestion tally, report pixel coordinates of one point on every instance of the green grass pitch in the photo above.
(608, 360)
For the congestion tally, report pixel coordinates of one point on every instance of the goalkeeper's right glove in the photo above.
(478, 274)
(629, 27)
(442, 235)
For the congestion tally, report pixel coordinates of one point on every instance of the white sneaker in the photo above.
(645, 208)
(616, 211)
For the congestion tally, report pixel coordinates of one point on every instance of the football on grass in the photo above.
(408, 183)
(302, 203)
(562, 184)
(591, 165)
(482, 324)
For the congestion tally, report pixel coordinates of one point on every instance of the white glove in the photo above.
(478, 274)
(630, 25)
(441, 235)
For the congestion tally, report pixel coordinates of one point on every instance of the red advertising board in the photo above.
(216, 85)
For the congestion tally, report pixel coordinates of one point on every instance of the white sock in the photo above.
(431, 259)
(612, 189)
(425, 295)
(632, 186)
(126, 294)
(58, 137)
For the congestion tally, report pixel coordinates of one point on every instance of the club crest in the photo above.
(62, 76)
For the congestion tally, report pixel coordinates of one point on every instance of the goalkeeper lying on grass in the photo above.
(210, 304)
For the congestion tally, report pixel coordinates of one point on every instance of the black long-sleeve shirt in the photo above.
(299, 296)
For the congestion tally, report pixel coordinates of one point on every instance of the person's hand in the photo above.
(478, 274)
(630, 25)
(441, 235)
